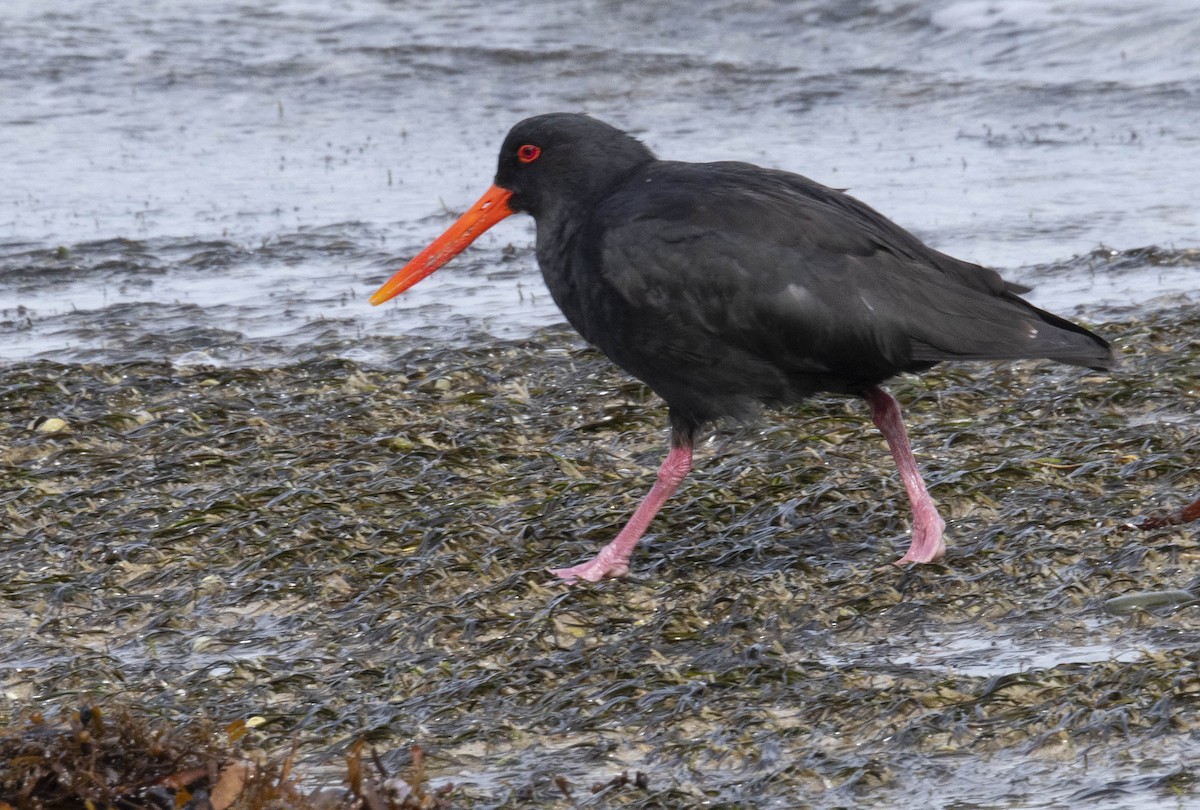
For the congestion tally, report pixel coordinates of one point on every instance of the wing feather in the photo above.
(771, 266)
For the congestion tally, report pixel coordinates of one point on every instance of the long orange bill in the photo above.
(491, 208)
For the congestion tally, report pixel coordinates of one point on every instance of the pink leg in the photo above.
(613, 559)
(927, 544)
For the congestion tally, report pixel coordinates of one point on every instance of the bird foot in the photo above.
(927, 543)
(594, 570)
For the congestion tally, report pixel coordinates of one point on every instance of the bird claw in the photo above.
(593, 570)
(927, 543)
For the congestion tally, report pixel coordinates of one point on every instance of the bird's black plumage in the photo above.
(726, 287)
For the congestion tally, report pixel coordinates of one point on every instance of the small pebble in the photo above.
(1129, 602)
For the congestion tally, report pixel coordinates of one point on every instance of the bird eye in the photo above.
(528, 153)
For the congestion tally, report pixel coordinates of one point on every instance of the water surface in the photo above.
(235, 179)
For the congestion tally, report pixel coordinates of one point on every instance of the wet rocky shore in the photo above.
(340, 552)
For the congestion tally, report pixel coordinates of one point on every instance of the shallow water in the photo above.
(264, 167)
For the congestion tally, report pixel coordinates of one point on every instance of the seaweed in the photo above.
(347, 553)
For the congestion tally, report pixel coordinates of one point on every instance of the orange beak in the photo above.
(491, 208)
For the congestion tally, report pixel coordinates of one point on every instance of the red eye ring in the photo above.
(528, 153)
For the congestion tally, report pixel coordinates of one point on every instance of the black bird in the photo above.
(726, 287)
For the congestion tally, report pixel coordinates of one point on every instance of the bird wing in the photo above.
(782, 269)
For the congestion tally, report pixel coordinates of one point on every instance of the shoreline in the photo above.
(346, 551)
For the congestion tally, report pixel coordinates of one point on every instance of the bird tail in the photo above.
(1015, 330)
(1071, 343)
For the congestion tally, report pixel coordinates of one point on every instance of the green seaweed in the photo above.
(350, 552)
